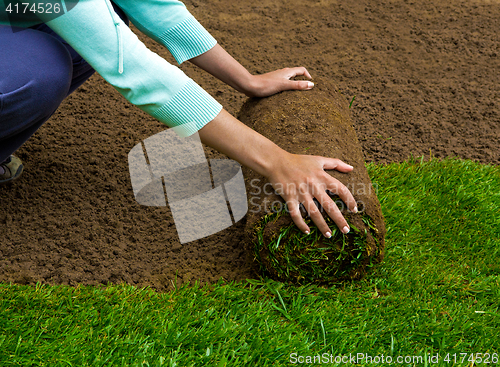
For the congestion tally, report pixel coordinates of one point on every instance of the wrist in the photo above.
(247, 84)
(220, 64)
(268, 159)
(239, 142)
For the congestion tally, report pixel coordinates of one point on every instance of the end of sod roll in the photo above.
(315, 122)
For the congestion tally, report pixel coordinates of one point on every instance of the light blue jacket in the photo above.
(145, 79)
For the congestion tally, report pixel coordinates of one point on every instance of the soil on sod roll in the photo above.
(424, 78)
(315, 122)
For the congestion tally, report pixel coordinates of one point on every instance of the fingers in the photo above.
(337, 164)
(319, 192)
(333, 212)
(294, 210)
(312, 184)
(337, 188)
(326, 202)
(330, 207)
(279, 80)
(317, 218)
(299, 85)
(298, 71)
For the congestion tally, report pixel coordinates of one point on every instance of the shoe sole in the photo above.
(13, 178)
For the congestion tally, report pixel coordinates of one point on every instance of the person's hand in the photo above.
(297, 178)
(300, 178)
(264, 85)
(222, 65)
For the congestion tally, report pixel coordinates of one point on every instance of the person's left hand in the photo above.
(223, 66)
(267, 84)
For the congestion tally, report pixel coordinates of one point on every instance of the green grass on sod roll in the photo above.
(436, 293)
(311, 258)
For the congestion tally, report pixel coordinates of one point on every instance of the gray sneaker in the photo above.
(13, 168)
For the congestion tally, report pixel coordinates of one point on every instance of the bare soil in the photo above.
(425, 76)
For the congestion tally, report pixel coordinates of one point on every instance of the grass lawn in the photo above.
(435, 298)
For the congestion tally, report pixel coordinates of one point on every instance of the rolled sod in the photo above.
(314, 122)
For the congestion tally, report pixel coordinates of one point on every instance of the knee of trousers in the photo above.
(36, 73)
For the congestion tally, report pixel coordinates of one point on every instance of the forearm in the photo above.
(231, 137)
(223, 66)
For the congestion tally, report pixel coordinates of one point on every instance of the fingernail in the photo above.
(307, 232)
(345, 230)
(355, 210)
(328, 235)
(350, 166)
(310, 84)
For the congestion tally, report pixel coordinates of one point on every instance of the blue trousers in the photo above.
(38, 70)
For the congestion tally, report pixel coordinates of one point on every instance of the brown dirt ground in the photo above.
(425, 76)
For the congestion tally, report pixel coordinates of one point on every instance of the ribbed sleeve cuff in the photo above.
(189, 110)
(187, 39)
